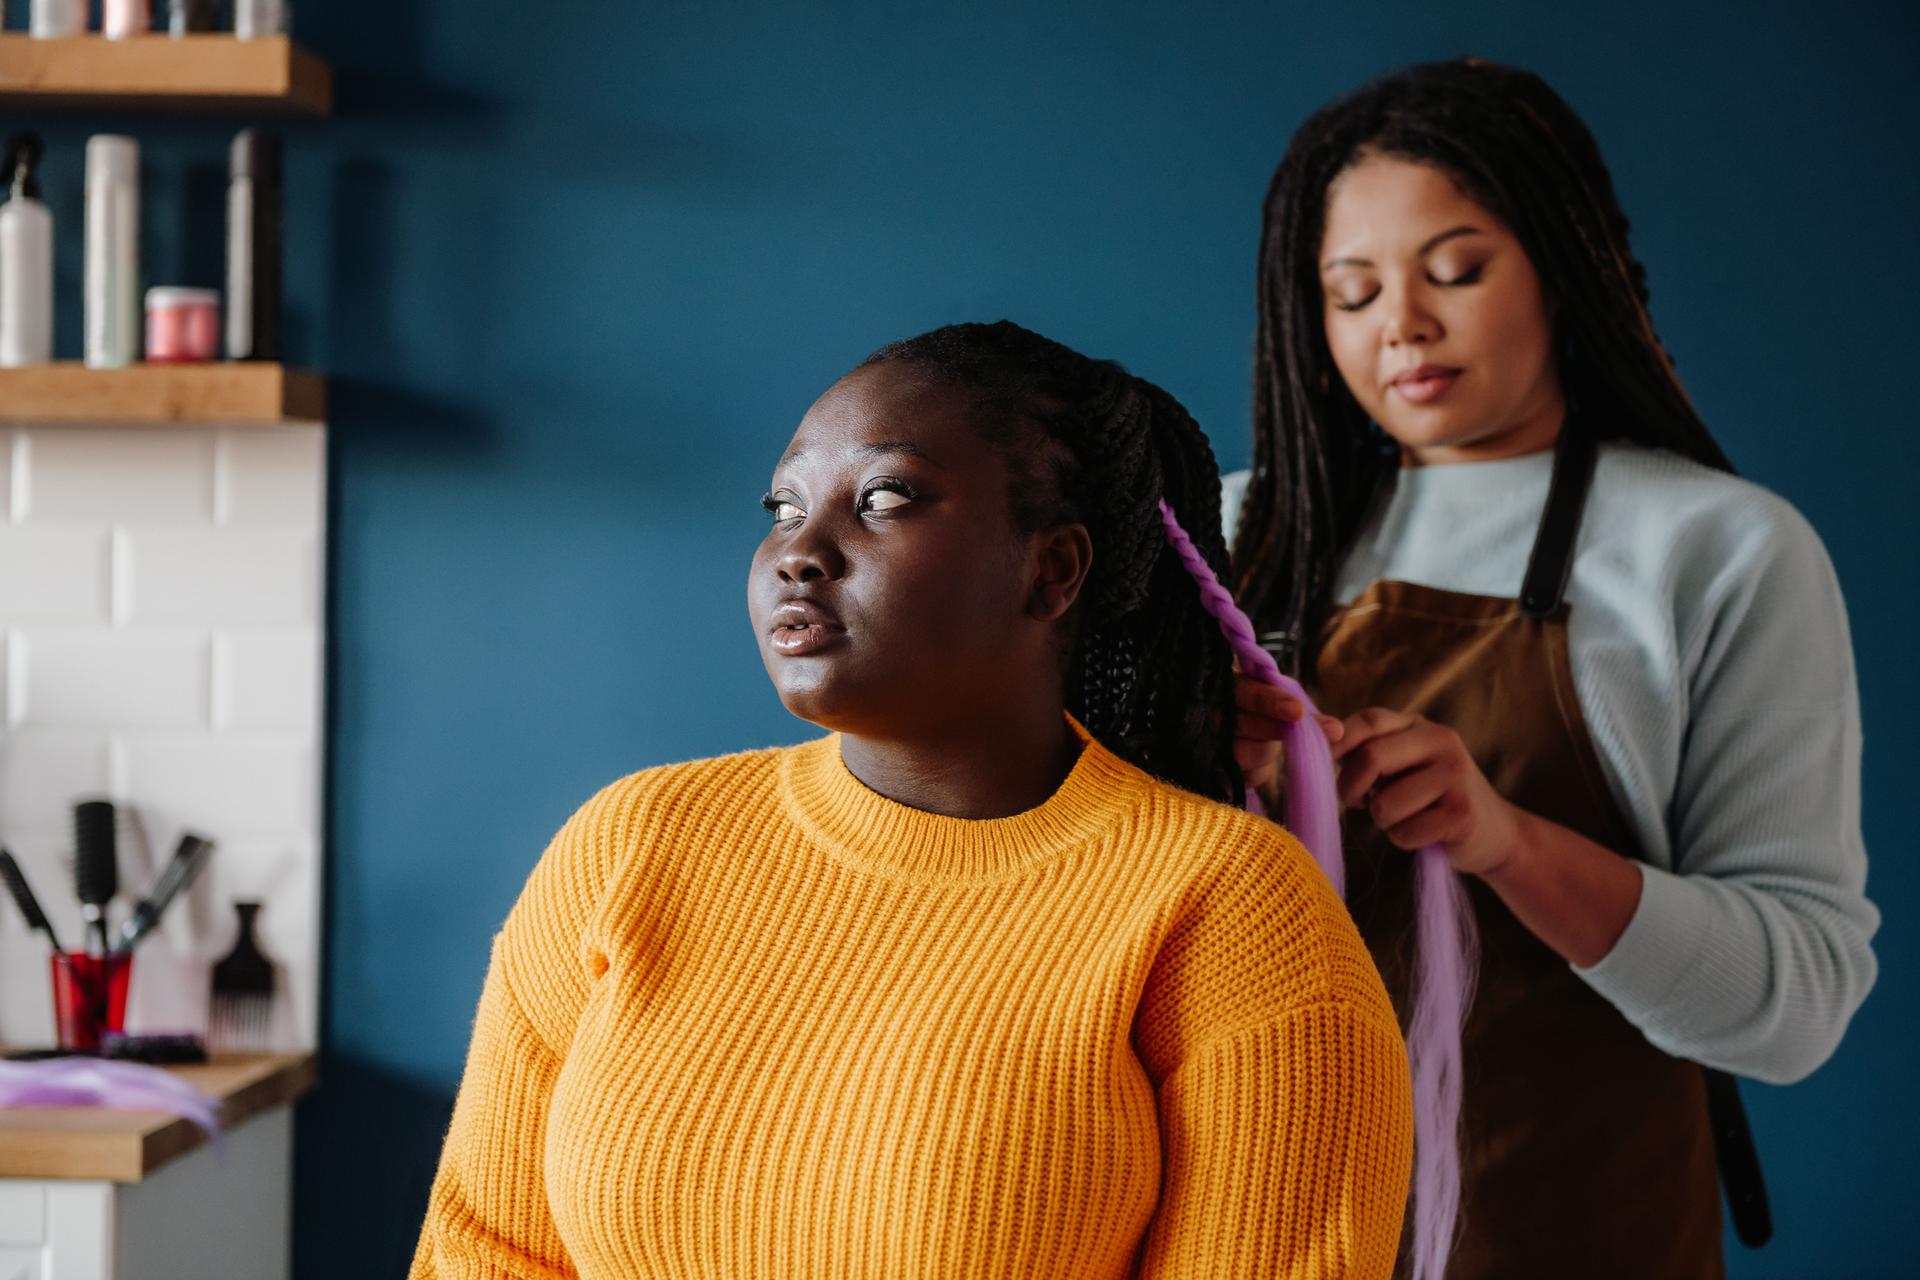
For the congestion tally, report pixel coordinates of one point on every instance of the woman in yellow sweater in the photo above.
(980, 985)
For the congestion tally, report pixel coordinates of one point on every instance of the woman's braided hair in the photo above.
(1149, 674)
(1319, 462)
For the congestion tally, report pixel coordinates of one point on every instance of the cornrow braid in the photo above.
(1149, 674)
(1319, 463)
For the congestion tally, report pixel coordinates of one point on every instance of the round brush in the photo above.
(96, 868)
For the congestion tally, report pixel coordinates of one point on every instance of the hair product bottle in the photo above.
(53, 19)
(122, 18)
(186, 16)
(26, 259)
(253, 247)
(113, 251)
(254, 19)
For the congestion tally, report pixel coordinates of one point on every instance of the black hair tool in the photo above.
(242, 1014)
(96, 868)
(24, 899)
(188, 857)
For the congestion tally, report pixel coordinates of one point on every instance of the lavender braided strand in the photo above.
(1313, 810)
(1447, 941)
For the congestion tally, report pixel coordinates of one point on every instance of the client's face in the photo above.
(890, 592)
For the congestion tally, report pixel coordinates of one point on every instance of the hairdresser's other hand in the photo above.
(1264, 714)
(1422, 787)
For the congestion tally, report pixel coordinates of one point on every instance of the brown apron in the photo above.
(1586, 1151)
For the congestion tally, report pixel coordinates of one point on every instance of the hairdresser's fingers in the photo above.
(1256, 697)
(1333, 727)
(1364, 726)
(1261, 774)
(1444, 823)
(1251, 724)
(1410, 793)
(1251, 753)
(1386, 755)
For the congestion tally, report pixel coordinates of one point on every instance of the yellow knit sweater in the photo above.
(751, 1020)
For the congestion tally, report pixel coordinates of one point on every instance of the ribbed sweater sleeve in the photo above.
(487, 1214)
(1286, 1112)
(1754, 950)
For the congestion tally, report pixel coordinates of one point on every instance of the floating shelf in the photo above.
(202, 72)
(242, 394)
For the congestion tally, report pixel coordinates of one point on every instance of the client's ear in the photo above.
(1059, 560)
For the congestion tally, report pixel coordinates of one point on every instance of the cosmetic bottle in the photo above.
(183, 325)
(54, 19)
(253, 247)
(122, 18)
(186, 16)
(253, 19)
(113, 251)
(26, 259)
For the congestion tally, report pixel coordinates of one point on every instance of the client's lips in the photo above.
(801, 627)
(1425, 384)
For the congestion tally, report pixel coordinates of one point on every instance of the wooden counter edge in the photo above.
(99, 1145)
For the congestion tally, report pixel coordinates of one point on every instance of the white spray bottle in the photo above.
(26, 259)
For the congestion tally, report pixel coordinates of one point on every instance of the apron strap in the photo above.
(1739, 1161)
(1541, 592)
(1545, 585)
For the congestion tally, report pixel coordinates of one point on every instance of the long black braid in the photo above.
(1149, 673)
(1319, 462)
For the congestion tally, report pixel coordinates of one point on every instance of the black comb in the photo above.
(241, 1018)
(23, 898)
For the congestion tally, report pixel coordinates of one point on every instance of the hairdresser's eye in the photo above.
(1469, 276)
(1351, 302)
(886, 495)
(781, 508)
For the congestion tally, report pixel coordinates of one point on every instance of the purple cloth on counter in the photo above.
(94, 1082)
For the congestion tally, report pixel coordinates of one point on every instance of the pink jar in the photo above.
(182, 325)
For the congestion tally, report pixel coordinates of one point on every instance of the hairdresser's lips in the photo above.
(802, 627)
(1426, 384)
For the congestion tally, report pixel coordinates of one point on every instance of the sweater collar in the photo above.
(865, 829)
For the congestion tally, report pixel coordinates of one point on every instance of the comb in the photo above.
(241, 1019)
(23, 898)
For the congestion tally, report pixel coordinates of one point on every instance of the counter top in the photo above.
(94, 1144)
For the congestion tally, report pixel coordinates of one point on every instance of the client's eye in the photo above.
(886, 495)
(781, 509)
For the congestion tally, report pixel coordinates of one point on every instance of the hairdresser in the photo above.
(1609, 678)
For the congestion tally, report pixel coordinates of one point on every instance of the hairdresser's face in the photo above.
(891, 595)
(1435, 316)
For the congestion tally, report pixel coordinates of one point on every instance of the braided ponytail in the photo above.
(1149, 674)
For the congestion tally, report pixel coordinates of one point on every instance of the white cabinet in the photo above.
(215, 1212)
(91, 1194)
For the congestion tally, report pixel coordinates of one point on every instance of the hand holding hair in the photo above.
(1423, 788)
(1264, 714)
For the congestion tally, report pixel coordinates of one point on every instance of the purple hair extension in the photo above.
(1448, 943)
(1313, 807)
(95, 1082)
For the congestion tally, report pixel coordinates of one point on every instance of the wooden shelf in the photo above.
(210, 72)
(97, 1144)
(242, 394)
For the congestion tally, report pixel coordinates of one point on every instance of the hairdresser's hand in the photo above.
(1264, 714)
(1417, 780)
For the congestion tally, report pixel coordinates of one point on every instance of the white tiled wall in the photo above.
(160, 644)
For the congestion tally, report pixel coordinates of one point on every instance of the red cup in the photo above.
(89, 997)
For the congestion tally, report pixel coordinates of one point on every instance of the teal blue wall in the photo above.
(577, 268)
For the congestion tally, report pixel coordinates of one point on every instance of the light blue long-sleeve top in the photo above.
(1712, 661)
